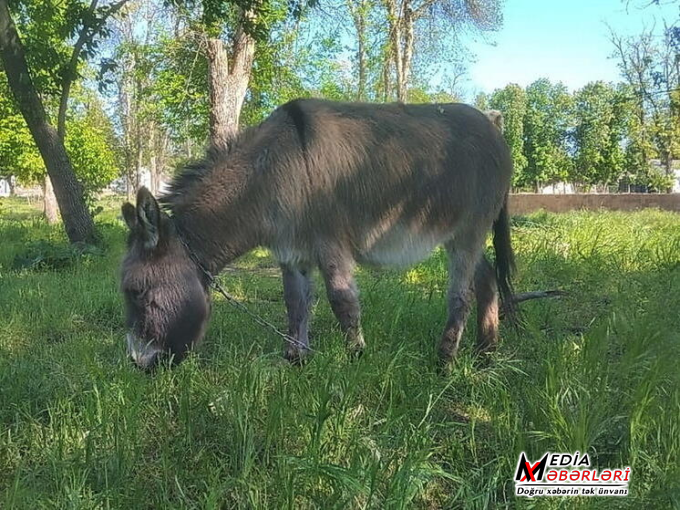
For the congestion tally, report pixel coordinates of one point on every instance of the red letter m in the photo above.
(527, 471)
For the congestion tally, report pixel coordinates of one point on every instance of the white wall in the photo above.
(4, 188)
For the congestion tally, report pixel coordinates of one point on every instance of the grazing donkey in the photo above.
(328, 185)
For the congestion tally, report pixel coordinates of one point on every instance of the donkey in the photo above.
(329, 185)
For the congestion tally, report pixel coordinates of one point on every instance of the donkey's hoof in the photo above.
(296, 356)
(484, 355)
(355, 347)
(485, 347)
(355, 353)
(445, 367)
(445, 361)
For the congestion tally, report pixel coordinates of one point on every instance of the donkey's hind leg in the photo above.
(297, 293)
(486, 294)
(462, 263)
(343, 295)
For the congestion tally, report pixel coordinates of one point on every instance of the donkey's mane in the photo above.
(186, 181)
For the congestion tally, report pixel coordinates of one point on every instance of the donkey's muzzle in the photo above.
(145, 355)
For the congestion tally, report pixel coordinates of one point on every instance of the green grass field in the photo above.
(236, 427)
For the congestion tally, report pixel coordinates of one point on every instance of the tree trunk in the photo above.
(387, 82)
(139, 165)
(161, 158)
(668, 161)
(228, 85)
(50, 207)
(243, 55)
(153, 169)
(359, 14)
(218, 74)
(125, 101)
(396, 48)
(69, 193)
(361, 57)
(407, 56)
(187, 142)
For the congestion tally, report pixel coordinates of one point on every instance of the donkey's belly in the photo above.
(400, 246)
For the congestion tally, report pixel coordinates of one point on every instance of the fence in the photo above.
(524, 203)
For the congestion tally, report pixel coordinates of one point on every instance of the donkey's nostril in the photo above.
(147, 363)
(144, 355)
(151, 363)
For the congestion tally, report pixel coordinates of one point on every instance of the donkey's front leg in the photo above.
(343, 295)
(297, 293)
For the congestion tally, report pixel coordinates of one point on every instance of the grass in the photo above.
(236, 427)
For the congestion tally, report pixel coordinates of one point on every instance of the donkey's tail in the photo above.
(505, 258)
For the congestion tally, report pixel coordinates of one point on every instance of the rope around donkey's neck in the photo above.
(242, 307)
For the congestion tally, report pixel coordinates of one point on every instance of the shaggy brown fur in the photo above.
(326, 184)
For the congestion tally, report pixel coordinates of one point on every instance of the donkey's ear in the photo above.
(129, 215)
(149, 217)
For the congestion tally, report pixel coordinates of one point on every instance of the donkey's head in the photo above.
(166, 300)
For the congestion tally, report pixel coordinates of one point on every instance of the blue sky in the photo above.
(564, 40)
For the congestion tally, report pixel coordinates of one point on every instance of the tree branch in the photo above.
(77, 221)
(418, 11)
(86, 35)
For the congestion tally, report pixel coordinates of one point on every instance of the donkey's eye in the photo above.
(136, 295)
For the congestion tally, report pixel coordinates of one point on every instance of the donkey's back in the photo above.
(389, 182)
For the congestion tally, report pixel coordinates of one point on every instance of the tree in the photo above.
(360, 11)
(600, 115)
(59, 37)
(89, 143)
(410, 21)
(19, 156)
(137, 59)
(69, 193)
(511, 101)
(229, 63)
(651, 66)
(482, 101)
(243, 24)
(546, 133)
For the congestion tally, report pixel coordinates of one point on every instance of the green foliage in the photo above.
(90, 143)
(278, 72)
(179, 88)
(89, 146)
(423, 95)
(546, 130)
(262, 14)
(48, 29)
(19, 155)
(601, 115)
(482, 102)
(511, 101)
(648, 63)
(45, 28)
(331, 79)
(595, 136)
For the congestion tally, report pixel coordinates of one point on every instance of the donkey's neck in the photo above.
(218, 218)
(213, 248)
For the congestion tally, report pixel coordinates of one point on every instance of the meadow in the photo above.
(236, 427)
